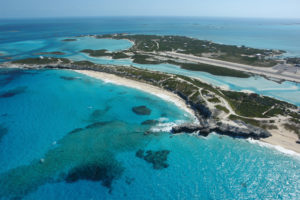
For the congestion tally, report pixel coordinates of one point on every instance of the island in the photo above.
(201, 55)
(237, 114)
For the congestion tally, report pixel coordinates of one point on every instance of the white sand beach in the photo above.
(279, 137)
(164, 94)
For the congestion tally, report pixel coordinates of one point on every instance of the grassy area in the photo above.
(219, 107)
(215, 70)
(293, 128)
(214, 100)
(254, 105)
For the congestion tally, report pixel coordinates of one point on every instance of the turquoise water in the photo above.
(30, 48)
(52, 103)
(261, 33)
(26, 38)
(287, 91)
(58, 128)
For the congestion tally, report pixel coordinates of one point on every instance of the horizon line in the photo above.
(150, 16)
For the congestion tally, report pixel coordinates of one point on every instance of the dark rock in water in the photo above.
(76, 130)
(95, 172)
(157, 158)
(205, 127)
(141, 110)
(13, 92)
(69, 78)
(149, 122)
(186, 128)
(3, 131)
(204, 132)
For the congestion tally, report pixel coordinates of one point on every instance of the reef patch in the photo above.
(150, 122)
(156, 158)
(13, 92)
(3, 132)
(96, 172)
(69, 40)
(141, 110)
(69, 78)
(87, 154)
(97, 114)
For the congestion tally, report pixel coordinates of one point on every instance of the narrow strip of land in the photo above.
(265, 71)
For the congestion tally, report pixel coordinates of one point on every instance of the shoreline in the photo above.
(267, 72)
(163, 94)
(284, 139)
(286, 142)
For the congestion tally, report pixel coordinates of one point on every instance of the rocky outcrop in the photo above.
(207, 126)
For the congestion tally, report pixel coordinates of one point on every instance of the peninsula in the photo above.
(237, 114)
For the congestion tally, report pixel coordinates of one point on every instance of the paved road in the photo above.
(269, 72)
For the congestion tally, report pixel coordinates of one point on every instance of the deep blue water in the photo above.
(40, 109)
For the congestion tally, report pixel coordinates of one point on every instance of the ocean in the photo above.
(64, 135)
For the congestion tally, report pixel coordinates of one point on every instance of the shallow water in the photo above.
(251, 32)
(42, 123)
(64, 135)
(286, 91)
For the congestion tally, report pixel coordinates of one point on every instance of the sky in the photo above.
(209, 8)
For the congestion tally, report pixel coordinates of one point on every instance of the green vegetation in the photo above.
(41, 61)
(144, 59)
(215, 70)
(186, 45)
(254, 105)
(219, 107)
(214, 100)
(294, 128)
(84, 63)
